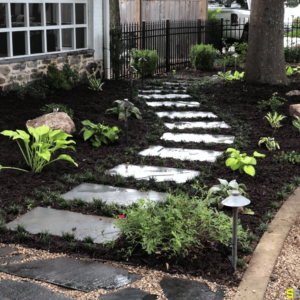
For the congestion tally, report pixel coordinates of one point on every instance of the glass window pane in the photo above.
(80, 13)
(51, 14)
(3, 44)
(2, 15)
(35, 14)
(52, 40)
(18, 43)
(66, 14)
(67, 39)
(17, 14)
(80, 40)
(36, 42)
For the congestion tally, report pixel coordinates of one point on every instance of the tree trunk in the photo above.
(114, 11)
(265, 57)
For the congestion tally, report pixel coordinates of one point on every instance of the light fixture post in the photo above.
(143, 59)
(126, 105)
(131, 70)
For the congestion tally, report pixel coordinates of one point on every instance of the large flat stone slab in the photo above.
(182, 154)
(6, 250)
(56, 221)
(158, 173)
(182, 289)
(174, 103)
(158, 90)
(165, 96)
(111, 194)
(128, 294)
(73, 273)
(15, 290)
(186, 114)
(191, 125)
(11, 259)
(197, 138)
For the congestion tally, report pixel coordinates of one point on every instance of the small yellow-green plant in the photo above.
(271, 144)
(274, 119)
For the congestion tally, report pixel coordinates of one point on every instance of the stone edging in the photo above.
(255, 280)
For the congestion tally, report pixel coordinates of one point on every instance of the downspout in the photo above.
(106, 37)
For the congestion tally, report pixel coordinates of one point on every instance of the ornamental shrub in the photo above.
(203, 56)
(150, 65)
(175, 225)
(292, 54)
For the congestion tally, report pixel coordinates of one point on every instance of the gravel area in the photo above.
(286, 274)
(150, 281)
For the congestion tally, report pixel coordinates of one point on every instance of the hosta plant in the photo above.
(99, 133)
(271, 144)
(297, 123)
(219, 192)
(242, 162)
(40, 145)
(274, 119)
(120, 111)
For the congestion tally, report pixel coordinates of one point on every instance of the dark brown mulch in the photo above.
(237, 99)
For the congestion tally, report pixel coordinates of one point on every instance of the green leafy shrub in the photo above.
(175, 225)
(212, 14)
(150, 65)
(44, 142)
(273, 103)
(94, 82)
(99, 133)
(203, 56)
(293, 33)
(292, 157)
(120, 111)
(218, 193)
(37, 89)
(242, 162)
(292, 54)
(274, 119)
(61, 79)
(47, 109)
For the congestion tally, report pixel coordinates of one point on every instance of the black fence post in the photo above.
(199, 31)
(167, 45)
(143, 35)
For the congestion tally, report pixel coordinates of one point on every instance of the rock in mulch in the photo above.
(295, 110)
(182, 289)
(128, 294)
(73, 274)
(293, 93)
(15, 290)
(55, 120)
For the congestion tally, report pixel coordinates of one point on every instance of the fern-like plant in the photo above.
(274, 119)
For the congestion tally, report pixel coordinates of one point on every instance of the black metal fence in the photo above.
(292, 33)
(171, 39)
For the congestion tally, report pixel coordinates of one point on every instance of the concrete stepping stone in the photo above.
(186, 114)
(11, 259)
(158, 90)
(111, 194)
(175, 103)
(158, 173)
(6, 250)
(73, 274)
(183, 289)
(182, 154)
(190, 125)
(128, 294)
(15, 290)
(197, 138)
(56, 221)
(165, 96)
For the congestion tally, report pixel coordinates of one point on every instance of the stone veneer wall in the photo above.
(26, 69)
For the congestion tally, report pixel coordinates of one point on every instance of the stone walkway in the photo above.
(89, 275)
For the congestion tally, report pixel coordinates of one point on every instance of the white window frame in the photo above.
(9, 30)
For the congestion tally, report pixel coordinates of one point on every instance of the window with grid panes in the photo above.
(39, 26)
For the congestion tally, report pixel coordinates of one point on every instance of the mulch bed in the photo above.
(238, 99)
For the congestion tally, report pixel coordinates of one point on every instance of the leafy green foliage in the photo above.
(37, 89)
(240, 262)
(297, 122)
(44, 143)
(14, 209)
(227, 77)
(242, 162)
(217, 193)
(120, 111)
(99, 133)
(149, 66)
(292, 157)
(117, 57)
(292, 54)
(94, 82)
(290, 71)
(28, 203)
(47, 109)
(175, 225)
(68, 236)
(293, 33)
(203, 56)
(274, 205)
(263, 227)
(271, 144)
(22, 235)
(274, 119)
(212, 14)
(273, 103)
(269, 215)
(45, 238)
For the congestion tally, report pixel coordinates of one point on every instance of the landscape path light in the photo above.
(126, 104)
(235, 55)
(235, 201)
(143, 60)
(131, 70)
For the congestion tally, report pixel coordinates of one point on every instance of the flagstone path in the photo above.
(90, 275)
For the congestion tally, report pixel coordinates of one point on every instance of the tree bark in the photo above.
(114, 11)
(265, 57)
